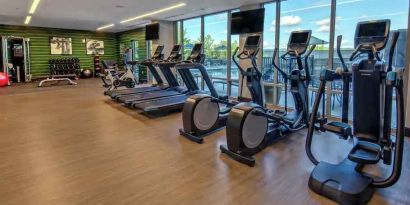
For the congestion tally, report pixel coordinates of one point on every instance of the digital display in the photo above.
(248, 21)
(377, 29)
(159, 50)
(252, 40)
(176, 48)
(299, 38)
(197, 49)
(152, 32)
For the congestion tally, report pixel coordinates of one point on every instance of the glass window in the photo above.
(216, 49)
(349, 13)
(306, 15)
(191, 34)
(269, 42)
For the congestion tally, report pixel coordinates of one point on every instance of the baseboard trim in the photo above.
(407, 132)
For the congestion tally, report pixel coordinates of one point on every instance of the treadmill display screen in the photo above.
(252, 41)
(300, 38)
(158, 51)
(176, 48)
(196, 50)
(377, 29)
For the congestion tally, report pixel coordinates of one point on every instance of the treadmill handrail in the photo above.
(204, 73)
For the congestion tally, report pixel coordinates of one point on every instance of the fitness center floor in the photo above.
(71, 145)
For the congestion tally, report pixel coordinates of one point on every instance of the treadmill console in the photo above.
(158, 52)
(175, 53)
(196, 52)
(299, 42)
(252, 44)
(372, 35)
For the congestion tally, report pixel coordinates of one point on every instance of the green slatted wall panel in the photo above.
(40, 45)
(124, 41)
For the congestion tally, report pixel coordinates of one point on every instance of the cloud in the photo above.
(272, 29)
(324, 25)
(290, 20)
(324, 29)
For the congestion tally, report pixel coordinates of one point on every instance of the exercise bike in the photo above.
(112, 78)
(202, 114)
(373, 86)
(252, 127)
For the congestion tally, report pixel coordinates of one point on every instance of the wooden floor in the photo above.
(72, 145)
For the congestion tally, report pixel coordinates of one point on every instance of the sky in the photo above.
(313, 15)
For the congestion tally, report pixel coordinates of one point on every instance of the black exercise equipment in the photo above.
(202, 113)
(252, 127)
(174, 90)
(373, 86)
(150, 64)
(175, 102)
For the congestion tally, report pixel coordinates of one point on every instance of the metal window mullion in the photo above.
(331, 53)
(277, 42)
(407, 67)
(202, 40)
(228, 55)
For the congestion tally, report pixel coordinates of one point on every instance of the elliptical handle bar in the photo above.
(395, 37)
(339, 53)
(283, 73)
(307, 71)
(355, 53)
(236, 62)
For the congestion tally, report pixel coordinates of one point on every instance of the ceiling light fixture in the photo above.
(28, 19)
(154, 12)
(106, 26)
(34, 6)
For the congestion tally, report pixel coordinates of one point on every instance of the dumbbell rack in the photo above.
(62, 70)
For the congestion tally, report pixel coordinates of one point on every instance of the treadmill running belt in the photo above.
(128, 99)
(175, 102)
(114, 93)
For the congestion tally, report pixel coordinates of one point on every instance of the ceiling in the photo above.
(91, 14)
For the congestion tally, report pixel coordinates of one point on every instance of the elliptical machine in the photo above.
(373, 84)
(252, 127)
(202, 113)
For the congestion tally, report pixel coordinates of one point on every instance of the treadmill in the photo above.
(149, 63)
(196, 56)
(177, 102)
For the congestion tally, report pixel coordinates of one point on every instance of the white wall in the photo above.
(166, 38)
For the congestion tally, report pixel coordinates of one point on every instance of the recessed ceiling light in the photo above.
(28, 19)
(34, 6)
(154, 12)
(104, 27)
(119, 6)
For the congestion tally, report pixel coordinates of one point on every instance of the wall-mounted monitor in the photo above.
(152, 32)
(250, 21)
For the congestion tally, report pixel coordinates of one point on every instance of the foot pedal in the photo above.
(365, 153)
(340, 128)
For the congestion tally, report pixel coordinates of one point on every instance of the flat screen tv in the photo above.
(248, 21)
(152, 32)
